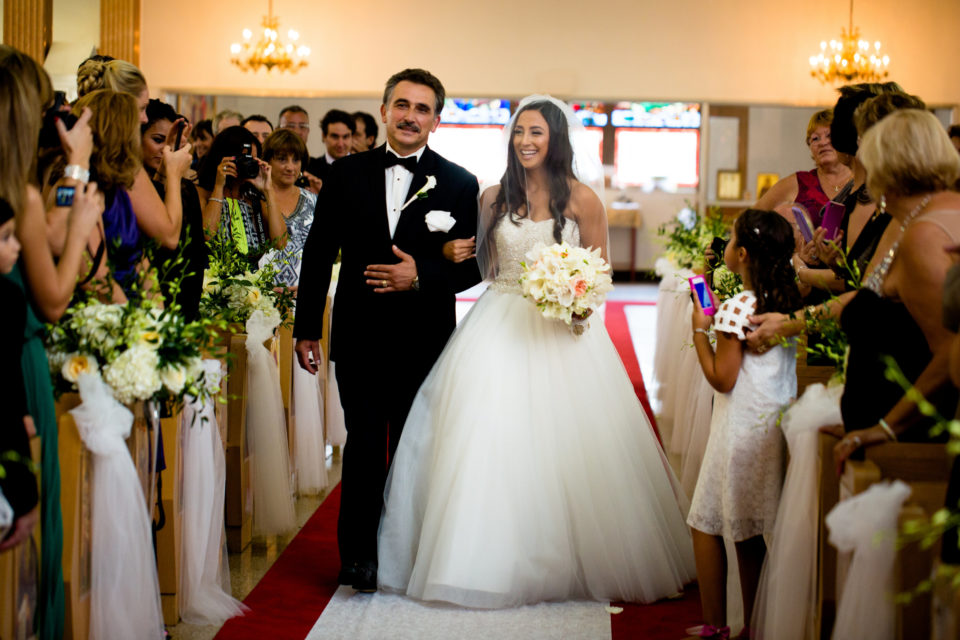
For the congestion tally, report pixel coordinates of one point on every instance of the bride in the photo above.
(527, 470)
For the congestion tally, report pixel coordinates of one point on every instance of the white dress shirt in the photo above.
(398, 181)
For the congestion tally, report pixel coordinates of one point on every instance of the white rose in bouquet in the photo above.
(173, 378)
(75, 364)
(133, 375)
(564, 281)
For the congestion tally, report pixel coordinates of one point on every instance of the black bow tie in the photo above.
(409, 163)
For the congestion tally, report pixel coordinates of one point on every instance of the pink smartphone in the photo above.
(698, 285)
(831, 219)
(800, 215)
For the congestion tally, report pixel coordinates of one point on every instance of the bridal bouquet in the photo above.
(564, 281)
(141, 351)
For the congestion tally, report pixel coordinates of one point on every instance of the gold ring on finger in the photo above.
(383, 284)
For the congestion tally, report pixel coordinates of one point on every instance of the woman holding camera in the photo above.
(241, 206)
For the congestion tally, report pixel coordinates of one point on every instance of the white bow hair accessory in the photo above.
(440, 221)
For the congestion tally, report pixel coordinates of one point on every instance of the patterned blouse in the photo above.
(287, 260)
(241, 224)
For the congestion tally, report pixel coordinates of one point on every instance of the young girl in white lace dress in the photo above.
(739, 484)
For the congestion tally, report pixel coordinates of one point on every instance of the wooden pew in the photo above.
(75, 502)
(286, 360)
(238, 505)
(169, 537)
(19, 574)
(809, 374)
(826, 554)
(926, 469)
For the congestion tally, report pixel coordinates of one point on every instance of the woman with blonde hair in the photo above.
(132, 204)
(24, 92)
(104, 72)
(813, 188)
(911, 166)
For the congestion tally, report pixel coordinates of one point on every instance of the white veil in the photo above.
(586, 167)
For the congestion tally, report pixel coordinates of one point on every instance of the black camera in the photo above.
(247, 165)
(719, 246)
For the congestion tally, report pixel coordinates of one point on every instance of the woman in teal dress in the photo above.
(49, 285)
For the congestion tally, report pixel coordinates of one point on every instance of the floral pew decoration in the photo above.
(116, 355)
(257, 301)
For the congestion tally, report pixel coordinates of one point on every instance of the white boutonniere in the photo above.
(440, 221)
(422, 193)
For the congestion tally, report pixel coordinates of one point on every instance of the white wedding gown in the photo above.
(527, 470)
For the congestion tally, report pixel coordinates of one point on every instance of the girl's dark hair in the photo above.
(558, 163)
(768, 239)
(6, 211)
(158, 110)
(228, 142)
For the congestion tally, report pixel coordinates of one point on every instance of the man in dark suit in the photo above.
(395, 305)
(337, 128)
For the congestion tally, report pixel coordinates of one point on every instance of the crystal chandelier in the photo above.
(269, 51)
(849, 59)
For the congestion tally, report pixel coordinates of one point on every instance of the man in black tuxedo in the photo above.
(395, 305)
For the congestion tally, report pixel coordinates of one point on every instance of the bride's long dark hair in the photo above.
(558, 164)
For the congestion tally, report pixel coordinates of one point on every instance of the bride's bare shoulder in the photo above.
(584, 200)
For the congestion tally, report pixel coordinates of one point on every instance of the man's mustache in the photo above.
(410, 126)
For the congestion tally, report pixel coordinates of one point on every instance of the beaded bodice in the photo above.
(513, 241)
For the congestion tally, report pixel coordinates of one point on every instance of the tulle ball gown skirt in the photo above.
(528, 471)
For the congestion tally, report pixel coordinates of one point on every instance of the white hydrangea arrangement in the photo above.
(566, 283)
(141, 351)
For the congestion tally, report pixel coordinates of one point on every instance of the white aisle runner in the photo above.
(353, 616)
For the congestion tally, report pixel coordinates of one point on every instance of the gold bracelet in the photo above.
(886, 429)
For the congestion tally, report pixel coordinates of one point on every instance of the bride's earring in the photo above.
(882, 206)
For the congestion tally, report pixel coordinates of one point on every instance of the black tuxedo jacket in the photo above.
(319, 167)
(406, 330)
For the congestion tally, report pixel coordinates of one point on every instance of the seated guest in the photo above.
(226, 119)
(258, 125)
(184, 265)
(337, 127)
(240, 207)
(910, 166)
(365, 135)
(201, 137)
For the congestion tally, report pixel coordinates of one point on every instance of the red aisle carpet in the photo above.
(619, 330)
(292, 595)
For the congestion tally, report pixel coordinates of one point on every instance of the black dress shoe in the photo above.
(365, 580)
(348, 574)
